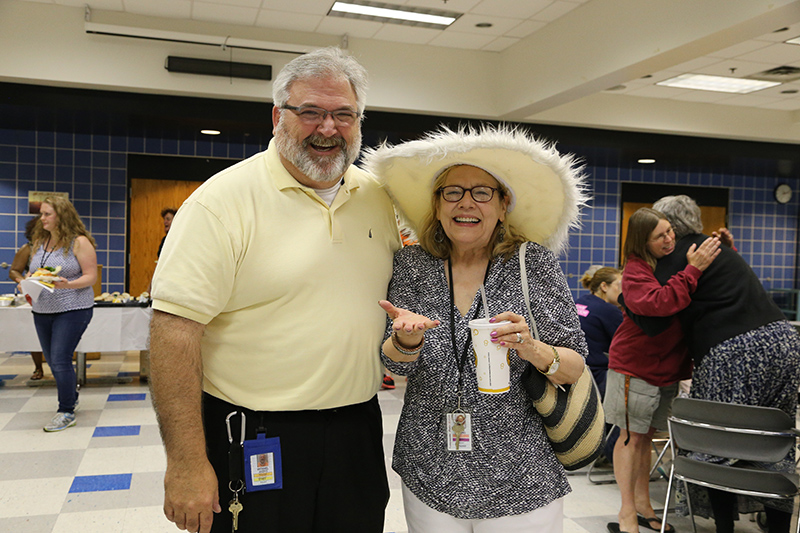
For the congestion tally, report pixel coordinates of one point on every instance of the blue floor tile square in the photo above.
(127, 374)
(116, 431)
(101, 483)
(126, 397)
(8, 376)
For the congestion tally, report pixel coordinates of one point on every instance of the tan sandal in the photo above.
(37, 375)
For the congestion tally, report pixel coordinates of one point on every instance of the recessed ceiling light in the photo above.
(646, 161)
(723, 84)
(380, 12)
(210, 132)
(796, 40)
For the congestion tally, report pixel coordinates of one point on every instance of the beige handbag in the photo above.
(573, 417)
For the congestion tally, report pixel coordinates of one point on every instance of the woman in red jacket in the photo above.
(644, 371)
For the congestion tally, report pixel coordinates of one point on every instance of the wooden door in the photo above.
(148, 198)
(713, 219)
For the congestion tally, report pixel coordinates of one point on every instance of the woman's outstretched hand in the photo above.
(409, 327)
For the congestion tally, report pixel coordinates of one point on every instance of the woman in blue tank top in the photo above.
(61, 240)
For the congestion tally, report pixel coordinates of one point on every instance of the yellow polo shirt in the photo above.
(288, 287)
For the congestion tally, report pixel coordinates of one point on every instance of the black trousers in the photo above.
(334, 473)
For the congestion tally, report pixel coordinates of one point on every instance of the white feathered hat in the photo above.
(547, 188)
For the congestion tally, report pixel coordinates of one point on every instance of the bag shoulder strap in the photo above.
(523, 273)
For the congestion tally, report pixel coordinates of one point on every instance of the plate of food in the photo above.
(46, 274)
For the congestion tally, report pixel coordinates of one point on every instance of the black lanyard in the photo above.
(461, 361)
(45, 255)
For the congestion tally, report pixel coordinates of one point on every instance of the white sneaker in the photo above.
(61, 422)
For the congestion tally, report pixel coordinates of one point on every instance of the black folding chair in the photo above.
(748, 433)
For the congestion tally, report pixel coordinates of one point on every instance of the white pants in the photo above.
(422, 519)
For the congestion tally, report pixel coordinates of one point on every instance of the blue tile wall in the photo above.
(765, 232)
(93, 170)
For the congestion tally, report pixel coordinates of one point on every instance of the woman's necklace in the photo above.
(45, 254)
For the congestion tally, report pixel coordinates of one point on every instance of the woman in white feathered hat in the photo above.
(475, 196)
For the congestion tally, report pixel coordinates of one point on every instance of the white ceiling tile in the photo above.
(158, 8)
(555, 10)
(108, 5)
(777, 53)
(741, 68)
(526, 28)
(239, 3)
(310, 7)
(691, 66)
(785, 105)
(739, 49)
(288, 21)
(511, 8)
(500, 25)
(749, 100)
(654, 78)
(406, 34)
(500, 44)
(710, 97)
(657, 91)
(457, 6)
(793, 31)
(363, 29)
(245, 16)
(467, 41)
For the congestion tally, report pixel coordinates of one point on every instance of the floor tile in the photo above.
(43, 496)
(116, 431)
(29, 524)
(103, 482)
(40, 465)
(111, 521)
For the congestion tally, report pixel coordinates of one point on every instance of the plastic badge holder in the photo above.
(262, 463)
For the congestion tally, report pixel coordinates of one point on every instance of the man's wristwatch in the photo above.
(553, 368)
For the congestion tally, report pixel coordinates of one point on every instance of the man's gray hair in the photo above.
(322, 63)
(682, 212)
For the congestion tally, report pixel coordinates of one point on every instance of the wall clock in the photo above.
(783, 193)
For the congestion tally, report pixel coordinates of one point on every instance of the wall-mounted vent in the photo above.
(782, 74)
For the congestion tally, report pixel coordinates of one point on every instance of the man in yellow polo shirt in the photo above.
(266, 313)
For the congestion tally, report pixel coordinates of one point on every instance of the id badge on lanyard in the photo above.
(262, 463)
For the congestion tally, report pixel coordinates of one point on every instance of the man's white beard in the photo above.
(318, 169)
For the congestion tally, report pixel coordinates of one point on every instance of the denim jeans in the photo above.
(59, 334)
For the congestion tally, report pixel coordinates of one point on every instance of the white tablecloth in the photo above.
(112, 329)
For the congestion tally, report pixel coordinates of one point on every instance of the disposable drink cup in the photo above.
(491, 359)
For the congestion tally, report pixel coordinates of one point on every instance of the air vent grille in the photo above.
(782, 74)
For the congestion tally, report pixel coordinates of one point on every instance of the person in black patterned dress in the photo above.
(471, 195)
(61, 316)
(744, 352)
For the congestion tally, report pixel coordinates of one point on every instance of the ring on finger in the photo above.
(520, 340)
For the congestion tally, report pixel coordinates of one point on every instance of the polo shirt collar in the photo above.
(283, 180)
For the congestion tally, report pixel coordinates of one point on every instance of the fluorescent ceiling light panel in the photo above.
(380, 12)
(796, 40)
(722, 84)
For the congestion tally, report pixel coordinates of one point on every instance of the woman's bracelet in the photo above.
(406, 351)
